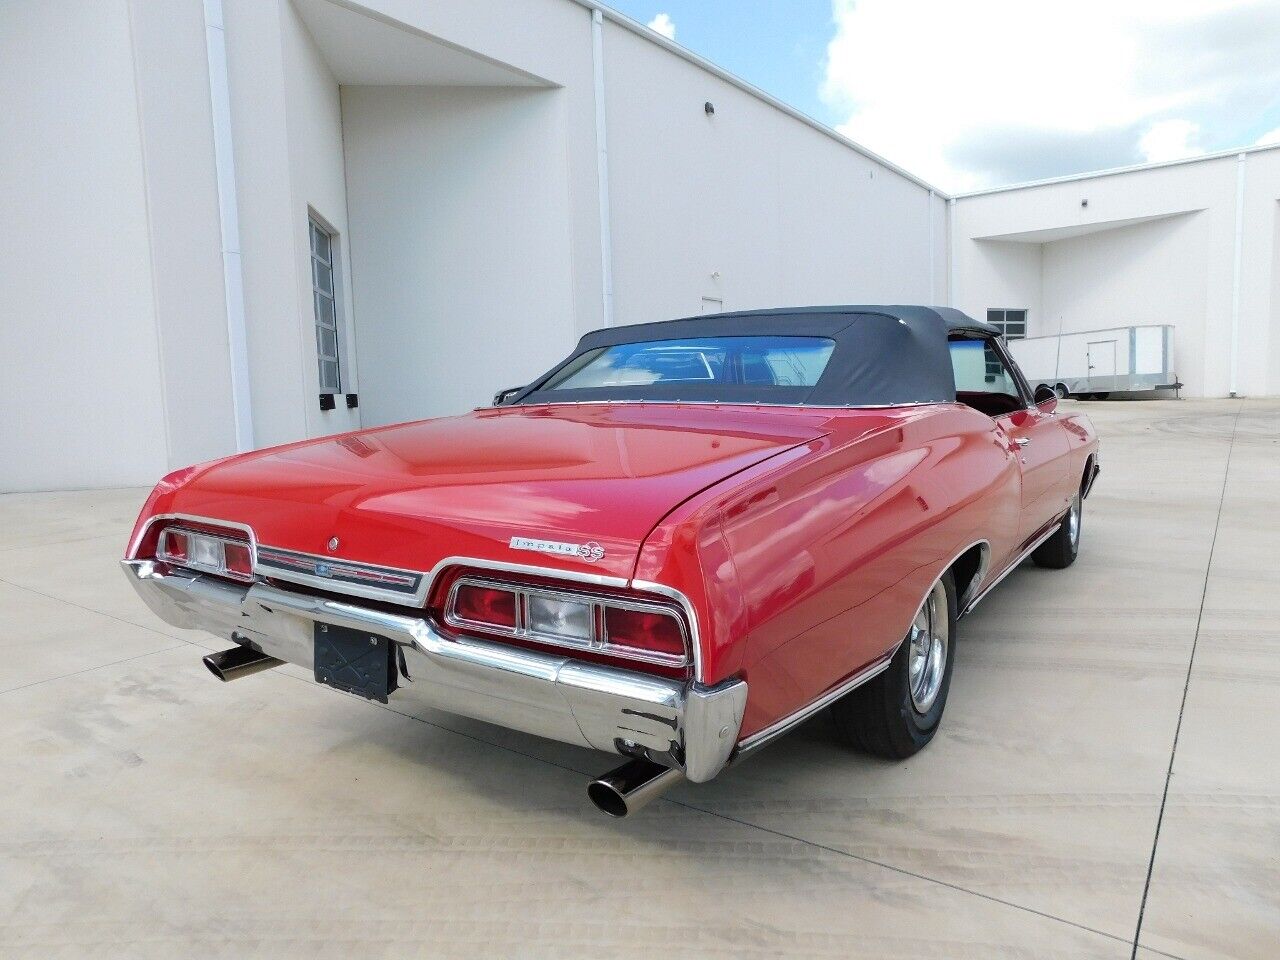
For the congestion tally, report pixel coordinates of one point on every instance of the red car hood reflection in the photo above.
(414, 494)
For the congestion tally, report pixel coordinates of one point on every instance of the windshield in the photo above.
(703, 365)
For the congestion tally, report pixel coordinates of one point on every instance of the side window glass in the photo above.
(979, 368)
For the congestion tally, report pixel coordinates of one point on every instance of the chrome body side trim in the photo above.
(680, 723)
(778, 728)
(1017, 561)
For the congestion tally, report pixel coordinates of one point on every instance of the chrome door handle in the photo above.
(1021, 441)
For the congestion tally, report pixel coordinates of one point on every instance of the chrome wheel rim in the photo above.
(1073, 522)
(927, 649)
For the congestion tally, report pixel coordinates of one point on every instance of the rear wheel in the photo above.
(897, 713)
(1061, 549)
(1062, 391)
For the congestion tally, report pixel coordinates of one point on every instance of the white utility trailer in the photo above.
(1113, 360)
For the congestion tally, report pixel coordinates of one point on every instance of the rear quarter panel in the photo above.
(1082, 443)
(811, 566)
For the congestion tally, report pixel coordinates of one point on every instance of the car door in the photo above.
(987, 378)
(1041, 446)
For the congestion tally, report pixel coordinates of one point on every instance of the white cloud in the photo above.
(1170, 140)
(1268, 138)
(992, 91)
(664, 25)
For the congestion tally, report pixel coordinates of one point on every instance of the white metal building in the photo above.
(235, 223)
(205, 200)
(1194, 244)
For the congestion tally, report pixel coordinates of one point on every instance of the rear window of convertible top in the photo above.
(700, 364)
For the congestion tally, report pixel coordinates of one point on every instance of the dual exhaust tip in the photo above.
(238, 662)
(632, 786)
(619, 793)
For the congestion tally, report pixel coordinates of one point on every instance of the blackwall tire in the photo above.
(1061, 550)
(896, 714)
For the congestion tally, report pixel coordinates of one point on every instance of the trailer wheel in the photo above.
(1062, 391)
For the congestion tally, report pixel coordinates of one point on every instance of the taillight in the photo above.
(205, 552)
(238, 560)
(630, 628)
(485, 606)
(636, 630)
(173, 546)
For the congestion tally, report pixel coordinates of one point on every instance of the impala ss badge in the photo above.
(323, 569)
(590, 552)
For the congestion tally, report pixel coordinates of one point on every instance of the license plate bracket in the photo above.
(355, 661)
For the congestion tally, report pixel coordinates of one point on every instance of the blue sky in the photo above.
(780, 47)
(988, 92)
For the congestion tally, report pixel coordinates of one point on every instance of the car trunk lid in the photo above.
(564, 487)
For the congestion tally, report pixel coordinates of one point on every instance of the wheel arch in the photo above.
(967, 571)
(1090, 474)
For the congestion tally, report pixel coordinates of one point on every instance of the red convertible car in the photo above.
(675, 546)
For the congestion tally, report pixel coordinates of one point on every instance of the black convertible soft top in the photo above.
(883, 356)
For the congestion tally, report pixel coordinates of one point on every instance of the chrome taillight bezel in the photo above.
(164, 555)
(599, 642)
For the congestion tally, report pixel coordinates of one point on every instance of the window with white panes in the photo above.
(324, 249)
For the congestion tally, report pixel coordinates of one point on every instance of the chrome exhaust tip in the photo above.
(631, 787)
(238, 662)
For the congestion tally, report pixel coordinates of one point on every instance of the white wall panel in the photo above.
(460, 243)
(81, 403)
(749, 206)
(268, 221)
(182, 211)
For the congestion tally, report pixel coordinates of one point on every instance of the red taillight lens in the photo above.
(645, 631)
(173, 546)
(485, 605)
(237, 559)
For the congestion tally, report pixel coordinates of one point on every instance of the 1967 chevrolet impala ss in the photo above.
(675, 546)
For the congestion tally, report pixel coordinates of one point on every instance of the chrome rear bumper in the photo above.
(680, 723)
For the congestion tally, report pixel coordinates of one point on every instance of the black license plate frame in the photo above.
(355, 661)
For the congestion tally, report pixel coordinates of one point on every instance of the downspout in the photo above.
(933, 276)
(1234, 368)
(951, 252)
(602, 166)
(229, 218)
